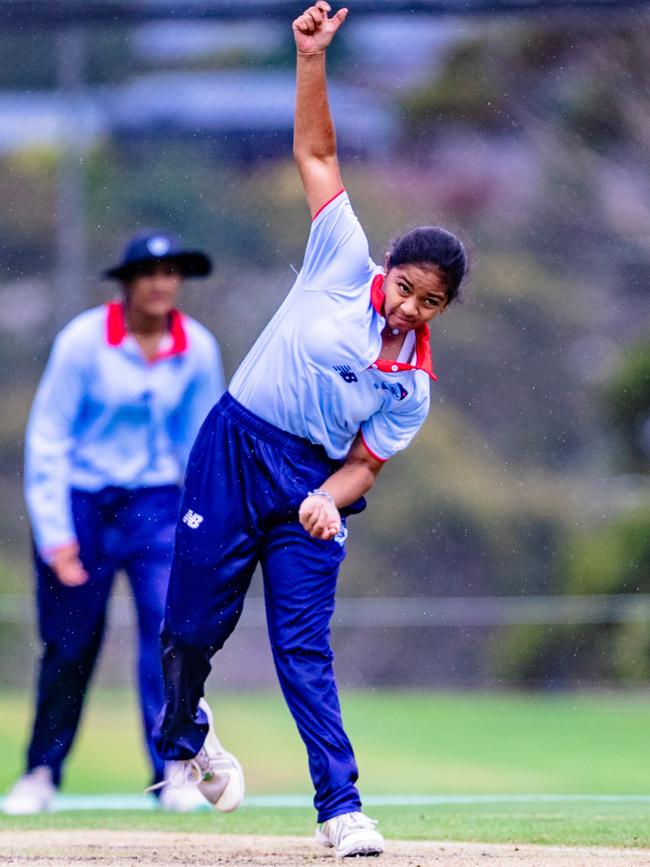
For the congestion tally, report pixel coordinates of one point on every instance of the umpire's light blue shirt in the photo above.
(104, 415)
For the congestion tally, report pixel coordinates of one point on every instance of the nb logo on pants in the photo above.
(342, 535)
(192, 519)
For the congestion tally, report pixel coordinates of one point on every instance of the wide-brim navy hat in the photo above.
(153, 246)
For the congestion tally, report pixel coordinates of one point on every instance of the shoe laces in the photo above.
(187, 773)
(350, 822)
(202, 768)
(357, 820)
(212, 765)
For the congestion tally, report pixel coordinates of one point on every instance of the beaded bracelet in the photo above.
(319, 493)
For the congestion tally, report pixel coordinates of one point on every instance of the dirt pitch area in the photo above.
(129, 848)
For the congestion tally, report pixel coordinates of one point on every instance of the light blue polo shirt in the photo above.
(314, 371)
(104, 415)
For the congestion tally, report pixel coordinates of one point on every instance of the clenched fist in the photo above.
(320, 517)
(313, 30)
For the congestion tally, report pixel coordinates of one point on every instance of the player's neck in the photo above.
(142, 324)
(391, 344)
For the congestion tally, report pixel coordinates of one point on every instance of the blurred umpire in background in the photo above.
(125, 391)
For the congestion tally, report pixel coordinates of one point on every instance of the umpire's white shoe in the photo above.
(33, 793)
(351, 834)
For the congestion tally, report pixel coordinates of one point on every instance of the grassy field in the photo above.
(406, 743)
(549, 823)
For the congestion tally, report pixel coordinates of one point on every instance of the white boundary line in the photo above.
(148, 803)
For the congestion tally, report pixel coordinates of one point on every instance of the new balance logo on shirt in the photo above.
(345, 372)
(192, 519)
(396, 389)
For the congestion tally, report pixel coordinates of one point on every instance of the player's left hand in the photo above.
(313, 30)
(319, 517)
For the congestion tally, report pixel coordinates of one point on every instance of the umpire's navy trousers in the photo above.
(116, 529)
(245, 482)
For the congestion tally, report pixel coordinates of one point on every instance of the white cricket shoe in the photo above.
(33, 793)
(221, 777)
(350, 834)
(215, 773)
(182, 795)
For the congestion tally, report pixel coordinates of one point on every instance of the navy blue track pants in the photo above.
(245, 482)
(116, 529)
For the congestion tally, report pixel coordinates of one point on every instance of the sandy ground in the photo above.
(128, 848)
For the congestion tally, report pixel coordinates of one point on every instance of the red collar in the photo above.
(423, 360)
(116, 330)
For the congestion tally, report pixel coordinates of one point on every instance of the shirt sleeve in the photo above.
(390, 431)
(49, 442)
(337, 258)
(203, 391)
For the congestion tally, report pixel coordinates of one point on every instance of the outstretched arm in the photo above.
(314, 137)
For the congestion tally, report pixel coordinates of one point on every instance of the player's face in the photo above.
(414, 296)
(153, 289)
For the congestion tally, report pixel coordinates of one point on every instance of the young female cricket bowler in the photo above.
(115, 415)
(336, 384)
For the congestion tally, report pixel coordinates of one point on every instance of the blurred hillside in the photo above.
(530, 137)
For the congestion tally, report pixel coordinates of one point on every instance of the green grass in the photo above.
(566, 824)
(406, 743)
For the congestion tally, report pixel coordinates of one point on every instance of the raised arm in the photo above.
(314, 137)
